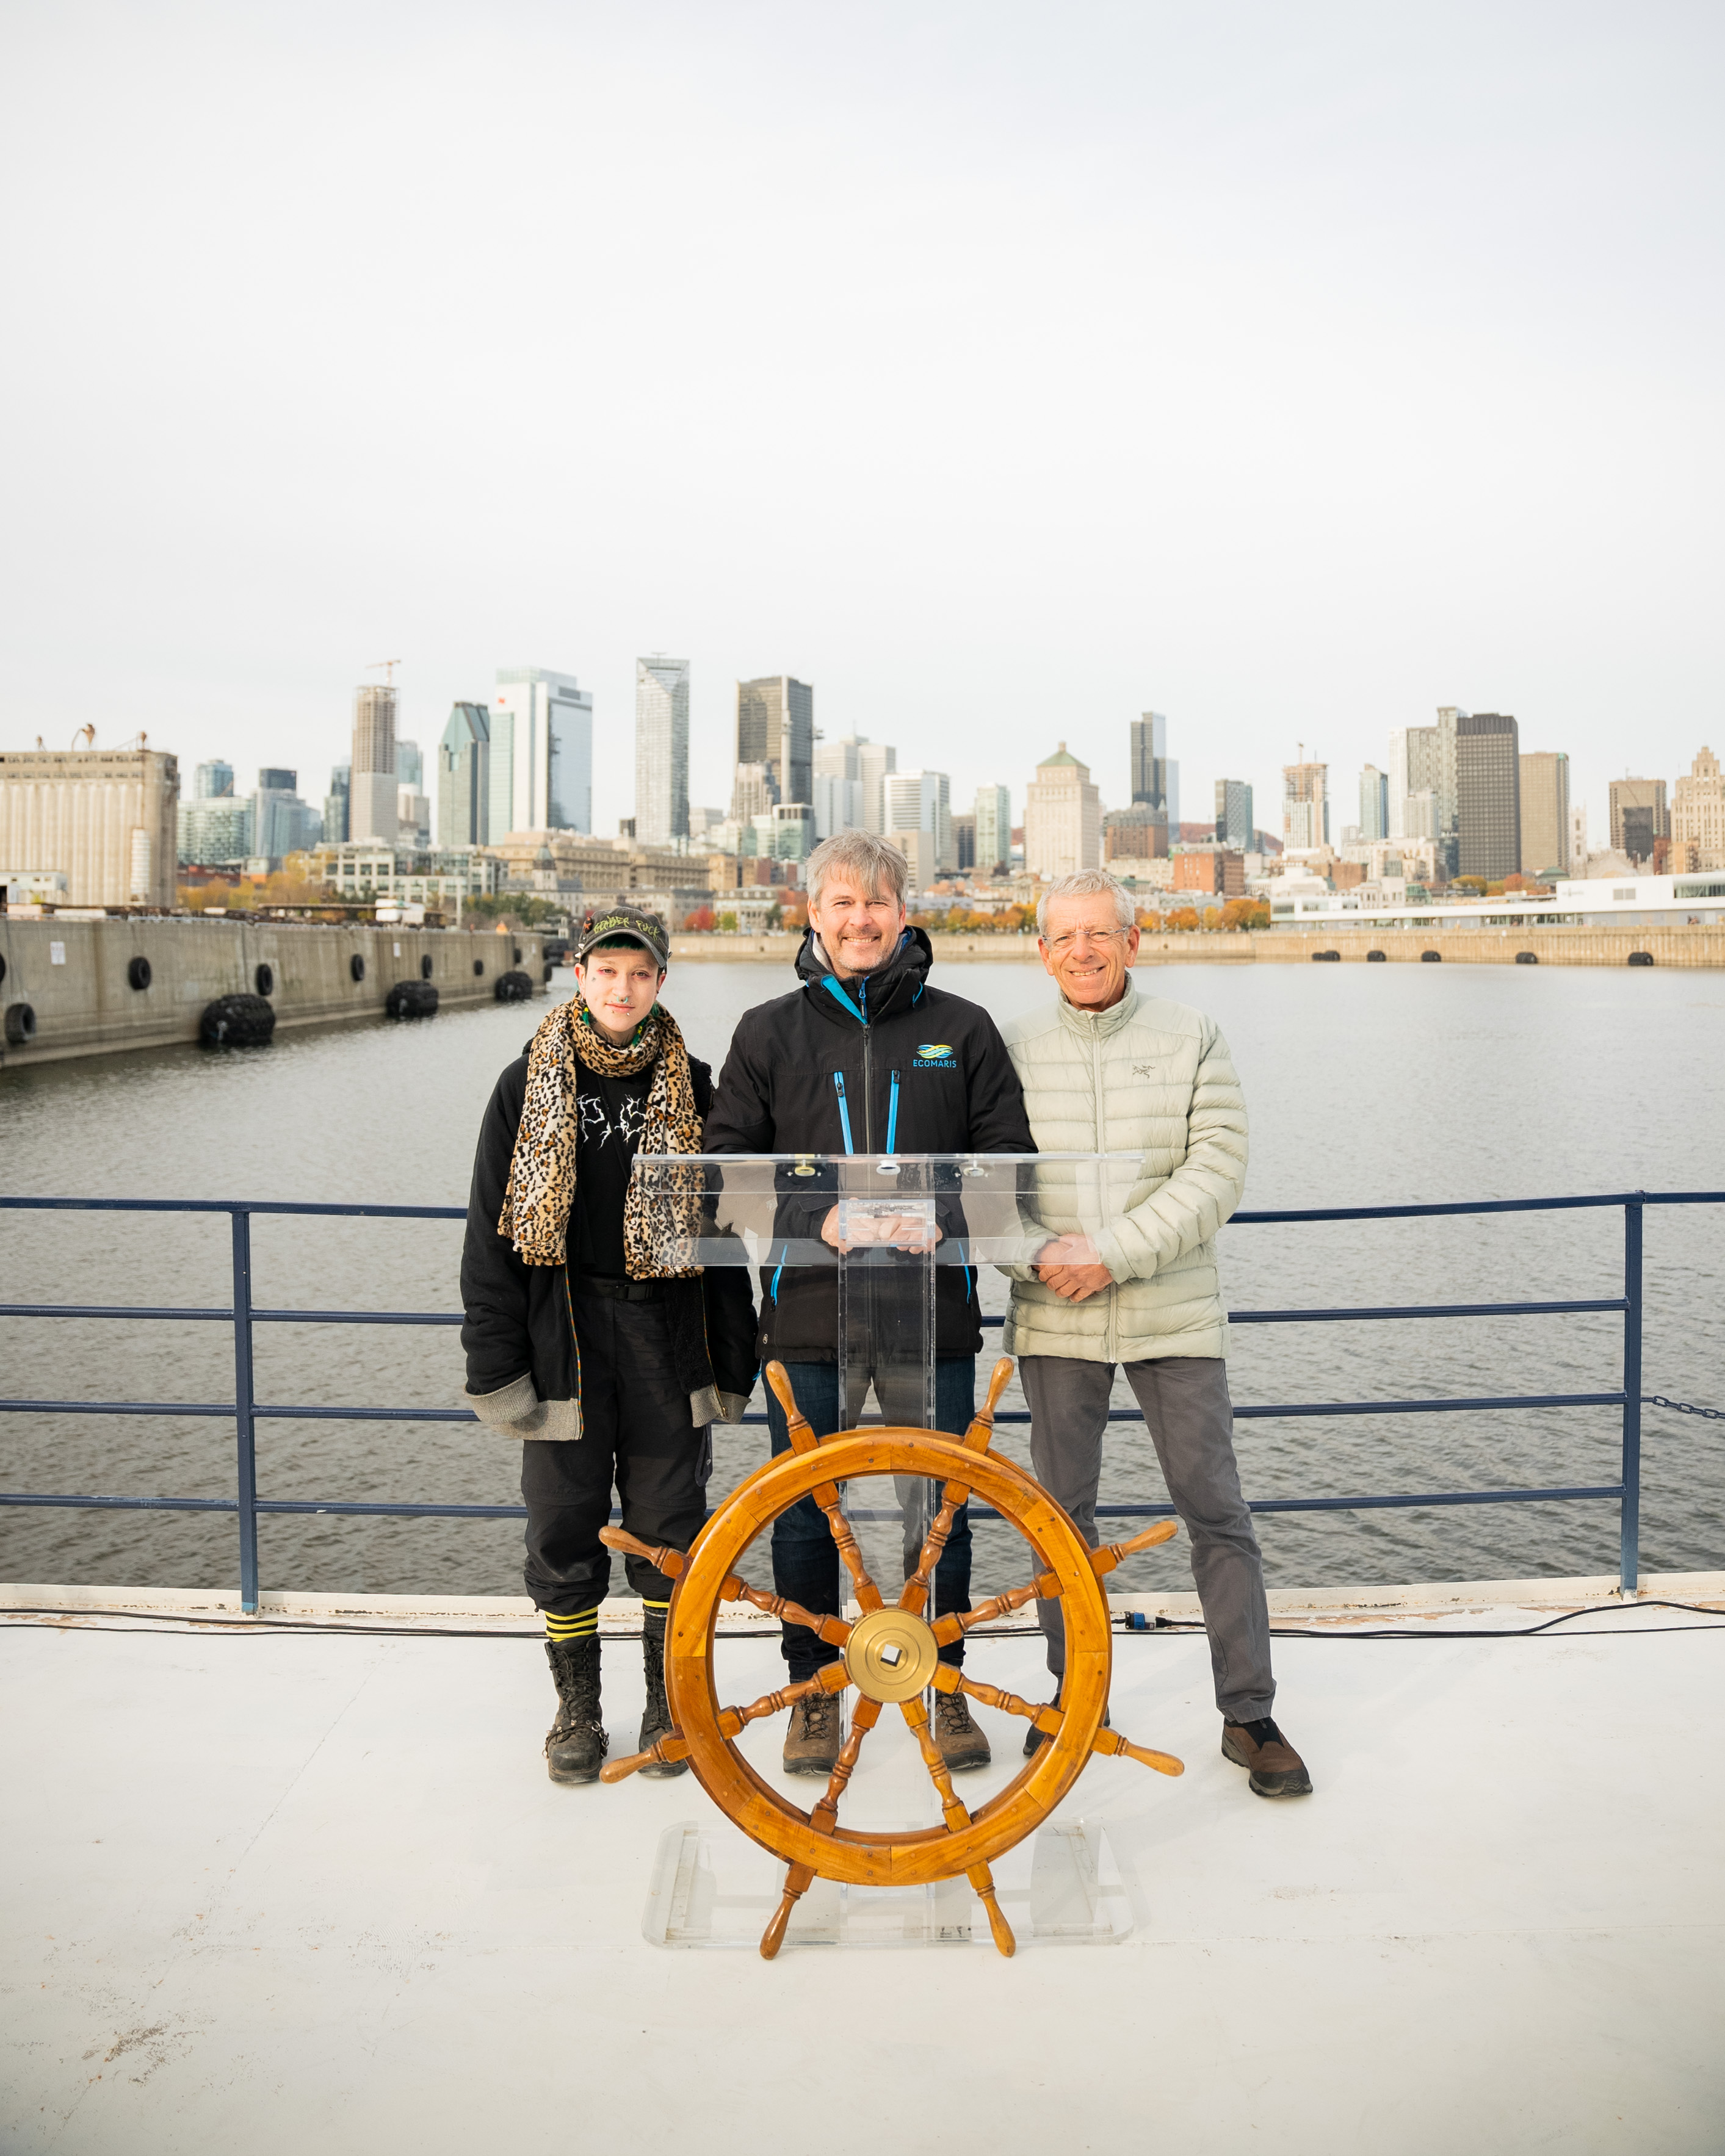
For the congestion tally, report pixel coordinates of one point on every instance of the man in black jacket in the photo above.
(587, 1335)
(864, 1057)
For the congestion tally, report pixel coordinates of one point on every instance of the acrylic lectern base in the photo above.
(712, 1886)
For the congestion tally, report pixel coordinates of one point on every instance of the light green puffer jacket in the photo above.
(1151, 1080)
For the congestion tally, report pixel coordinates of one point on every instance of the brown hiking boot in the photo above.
(812, 1741)
(1277, 1770)
(963, 1744)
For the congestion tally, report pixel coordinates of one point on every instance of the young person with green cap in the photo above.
(588, 1338)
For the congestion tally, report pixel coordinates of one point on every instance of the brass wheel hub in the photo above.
(890, 1655)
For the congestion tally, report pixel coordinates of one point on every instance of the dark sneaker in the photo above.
(962, 1745)
(1276, 1769)
(812, 1741)
(656, 1721)
(575, 1743)
(1035, 1739)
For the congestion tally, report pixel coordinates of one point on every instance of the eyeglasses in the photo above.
(1082, 938)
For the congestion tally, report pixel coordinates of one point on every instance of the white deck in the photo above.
(291, 1893)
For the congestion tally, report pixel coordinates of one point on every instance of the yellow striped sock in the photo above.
(658, 1609)
(582, 1625)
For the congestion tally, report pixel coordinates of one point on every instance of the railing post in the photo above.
(245, 1429)
(1630, 1553)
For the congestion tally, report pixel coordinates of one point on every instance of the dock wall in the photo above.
(86, 1005)
(1460, 946)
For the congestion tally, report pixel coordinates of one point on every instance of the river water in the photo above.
(1366, 1086)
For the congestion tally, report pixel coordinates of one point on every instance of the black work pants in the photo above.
(636, 1433)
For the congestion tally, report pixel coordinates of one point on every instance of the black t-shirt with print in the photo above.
(610, 1112)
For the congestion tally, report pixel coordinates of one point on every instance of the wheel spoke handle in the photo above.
(1048, 1719)
(960, 1621)
(1105, 1559)
(664, 1753)
(984, 1882)
(1110, 1741)
(825, 1814)
(951, 1810)
(916, 1593)
(797, 1879)
(670, 1562)
(833, 1678)
(833, 1630)
(868, 1595)
(978, 1437)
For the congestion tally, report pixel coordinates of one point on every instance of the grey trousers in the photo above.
(1185, 1402)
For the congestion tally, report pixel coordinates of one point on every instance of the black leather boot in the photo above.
(575, 1743)
(656, 1721)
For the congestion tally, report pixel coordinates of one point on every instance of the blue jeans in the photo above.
(805, 1558)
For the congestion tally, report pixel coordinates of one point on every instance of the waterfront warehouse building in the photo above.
(106, 819)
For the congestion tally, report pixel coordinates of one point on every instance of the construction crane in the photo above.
(388, 665)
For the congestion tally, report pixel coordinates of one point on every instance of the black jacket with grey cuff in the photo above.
(523, 1362)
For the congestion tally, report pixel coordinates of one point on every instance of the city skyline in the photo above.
(837, 503)
(1432, 770)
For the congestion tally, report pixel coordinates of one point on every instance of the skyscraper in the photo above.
(409, 765)
(1234, 815)
(212, 781)
(1156, 781)
(1413, 770)
(1063, 818)
(922, 801)
(1698, 812)
(373, 783)
(1638, 816)
(335, 802)
(775, 729)
(1479, 794)
(1545, 814)
(464, 779)
(541, 752)
(838, 804)
(661, 750)
(1374, 805)
(993, 829)
(1305, 806)
(282, 823)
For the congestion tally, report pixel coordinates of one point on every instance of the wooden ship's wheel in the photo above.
(890, 1656)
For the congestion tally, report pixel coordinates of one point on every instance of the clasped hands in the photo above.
(900, 1231)
(1070, 1265)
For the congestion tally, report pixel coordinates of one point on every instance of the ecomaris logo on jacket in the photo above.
(934, 1056)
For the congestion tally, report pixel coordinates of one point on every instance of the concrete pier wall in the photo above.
(85, 1004)
(1460, 946)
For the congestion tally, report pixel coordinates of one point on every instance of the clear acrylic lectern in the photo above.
(865, 1268)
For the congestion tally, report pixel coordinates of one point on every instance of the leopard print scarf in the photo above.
(657, 1225)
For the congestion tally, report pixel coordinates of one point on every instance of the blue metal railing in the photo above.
(245, 1411)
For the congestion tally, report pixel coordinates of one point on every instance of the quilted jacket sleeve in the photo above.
(1187, 1209)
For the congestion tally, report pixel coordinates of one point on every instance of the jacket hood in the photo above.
(872, 995)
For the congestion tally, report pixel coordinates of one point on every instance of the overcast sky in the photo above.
(1002, 369)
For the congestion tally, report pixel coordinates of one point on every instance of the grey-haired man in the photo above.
(1130, 1277)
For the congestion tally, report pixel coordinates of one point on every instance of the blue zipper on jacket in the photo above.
(892, 1114)
(844, 1109)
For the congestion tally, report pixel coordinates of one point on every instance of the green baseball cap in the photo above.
(646, 929)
